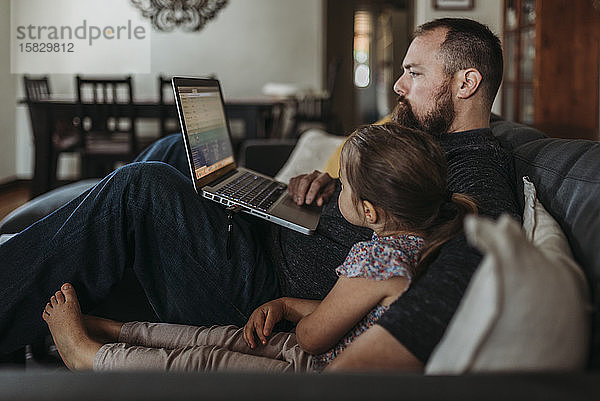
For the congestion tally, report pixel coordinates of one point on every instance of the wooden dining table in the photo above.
(262, 117)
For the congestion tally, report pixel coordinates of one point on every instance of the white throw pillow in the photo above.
(545, 233)
(526, 308)
(311, 153)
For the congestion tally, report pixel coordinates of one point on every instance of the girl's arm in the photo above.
(266, 316)
(297, 308)
(345, 305)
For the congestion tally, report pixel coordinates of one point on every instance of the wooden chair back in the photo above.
(169, 123)
(107, 124)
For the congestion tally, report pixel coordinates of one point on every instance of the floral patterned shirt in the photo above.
(377, 259)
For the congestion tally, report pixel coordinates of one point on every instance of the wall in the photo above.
(7, 100)
(250, 43)
(239, 46)
(488, 12)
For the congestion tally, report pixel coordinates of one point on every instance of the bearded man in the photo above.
(147, 217)
(452, 72)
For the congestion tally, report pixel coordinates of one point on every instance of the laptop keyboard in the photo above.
(253, 190)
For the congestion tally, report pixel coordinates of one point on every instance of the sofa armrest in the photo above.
(5, 237)
(41, 206)
(266, 156)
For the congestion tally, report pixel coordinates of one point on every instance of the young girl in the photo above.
(393, 182)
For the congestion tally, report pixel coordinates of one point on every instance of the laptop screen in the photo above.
(205, 127)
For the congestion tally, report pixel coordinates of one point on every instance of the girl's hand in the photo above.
(262, 321)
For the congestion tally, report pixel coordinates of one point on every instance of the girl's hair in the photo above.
(403, 173)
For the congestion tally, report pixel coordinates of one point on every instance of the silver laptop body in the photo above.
(215, 175)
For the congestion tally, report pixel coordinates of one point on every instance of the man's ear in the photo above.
(370, 212)
(468, 81)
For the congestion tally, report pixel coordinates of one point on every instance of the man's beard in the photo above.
(436, 122)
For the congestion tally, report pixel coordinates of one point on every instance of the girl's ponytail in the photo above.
(447, 225)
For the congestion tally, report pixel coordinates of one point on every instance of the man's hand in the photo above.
(316, 186)
(262, 321)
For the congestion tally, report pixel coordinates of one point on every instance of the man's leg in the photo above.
(168, 150)
(145, 216)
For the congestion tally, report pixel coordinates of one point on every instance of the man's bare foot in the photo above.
(64, 318)
(101, 329)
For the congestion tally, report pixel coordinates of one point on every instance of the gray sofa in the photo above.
(567, 176)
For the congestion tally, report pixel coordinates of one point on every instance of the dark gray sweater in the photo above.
(478, 166)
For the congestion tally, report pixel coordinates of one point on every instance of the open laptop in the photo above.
(214, 172)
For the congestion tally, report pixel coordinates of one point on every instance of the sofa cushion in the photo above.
(512, 135)
(314, 148)
(527, 287)
(523, 311)
(566, 174)
(22, 217)
(266, 155)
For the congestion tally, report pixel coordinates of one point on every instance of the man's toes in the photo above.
(69, 292)
(60, 297)
(53, 300)
(47, 309)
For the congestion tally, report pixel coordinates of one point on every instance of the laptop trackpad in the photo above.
(307, 216)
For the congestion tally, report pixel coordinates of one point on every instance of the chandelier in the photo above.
(190, 15)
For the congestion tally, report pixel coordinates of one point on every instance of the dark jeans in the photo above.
(147, 217)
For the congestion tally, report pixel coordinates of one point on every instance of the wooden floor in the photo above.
(13, 196)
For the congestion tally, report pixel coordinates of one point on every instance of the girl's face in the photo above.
(351, 212)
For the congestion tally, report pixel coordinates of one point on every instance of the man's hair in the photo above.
(469, 44)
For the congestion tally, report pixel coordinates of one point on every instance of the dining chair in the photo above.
(314, 109)
(107, 124)
(36, 88)
(53, 134)
(169, 123)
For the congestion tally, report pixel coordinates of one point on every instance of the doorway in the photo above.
(368, 39)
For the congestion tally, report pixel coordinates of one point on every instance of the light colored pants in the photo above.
(162, 346)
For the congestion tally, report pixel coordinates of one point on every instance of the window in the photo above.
(362, 44)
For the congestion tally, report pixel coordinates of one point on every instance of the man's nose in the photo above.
(399, 87)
